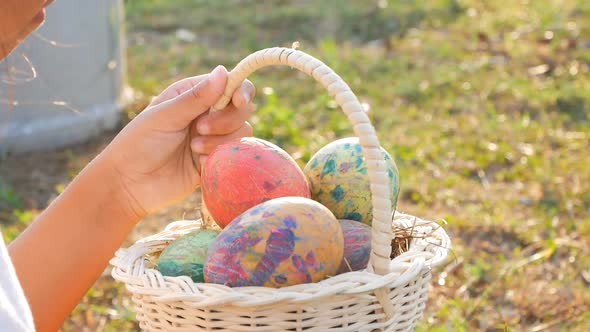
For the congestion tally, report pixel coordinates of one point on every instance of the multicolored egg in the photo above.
(186, 255)
(357, 245)
(281, 242)
(338, 179)
(244, 173)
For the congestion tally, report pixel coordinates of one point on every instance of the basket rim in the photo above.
(130, 267)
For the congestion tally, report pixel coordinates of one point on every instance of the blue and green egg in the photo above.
(338, 179)
(186, 255)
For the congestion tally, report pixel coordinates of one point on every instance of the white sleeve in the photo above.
(15, 314)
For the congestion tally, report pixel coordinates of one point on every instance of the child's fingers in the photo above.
(231, 117)
(206, 144)
(244, 95)
(179, 112)
(177, 88)
(241, 96)
(223, 122)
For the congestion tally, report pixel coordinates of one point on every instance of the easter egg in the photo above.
(281, 242)
(244, 173)
(187, 254)
(357, 245)
(338, 179)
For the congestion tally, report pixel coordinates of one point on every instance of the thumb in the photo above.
(180, 111)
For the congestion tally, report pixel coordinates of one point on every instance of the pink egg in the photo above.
(244, 173)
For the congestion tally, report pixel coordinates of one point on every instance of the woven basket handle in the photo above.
(337, 88)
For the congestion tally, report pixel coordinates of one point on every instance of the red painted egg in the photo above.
(357, 245)
(244, 173)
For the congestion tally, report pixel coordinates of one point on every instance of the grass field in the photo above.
(484, 104)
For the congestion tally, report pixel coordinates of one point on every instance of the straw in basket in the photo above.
(390, 295)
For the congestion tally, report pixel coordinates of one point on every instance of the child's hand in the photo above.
(154, 158)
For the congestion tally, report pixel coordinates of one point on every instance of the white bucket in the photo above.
(66, 83)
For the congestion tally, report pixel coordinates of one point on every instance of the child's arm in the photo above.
(60, 256)
(149, 165)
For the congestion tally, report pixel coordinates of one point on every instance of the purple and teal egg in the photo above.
(357, 246)
(338, 179)
(186, 255)
(281, 242)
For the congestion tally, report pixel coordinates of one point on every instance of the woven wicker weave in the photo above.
(390, 295)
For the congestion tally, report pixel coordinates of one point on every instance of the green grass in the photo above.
(484, 105)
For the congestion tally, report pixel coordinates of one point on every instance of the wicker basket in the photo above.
(390, 295)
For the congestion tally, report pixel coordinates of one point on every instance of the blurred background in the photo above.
(484, 105)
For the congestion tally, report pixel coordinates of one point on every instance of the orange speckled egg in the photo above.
(244, 173)
(281, 242)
